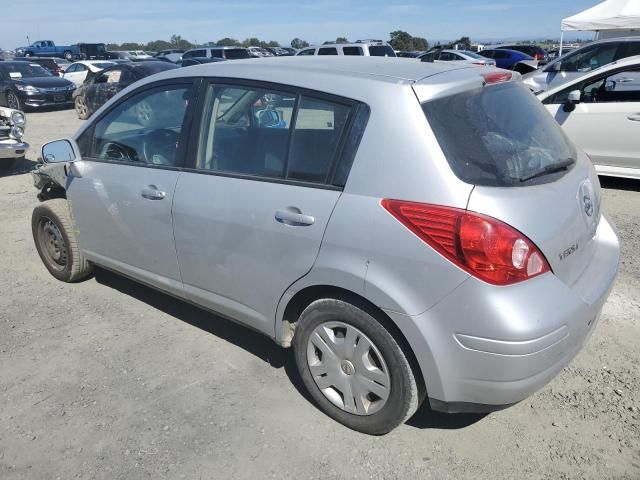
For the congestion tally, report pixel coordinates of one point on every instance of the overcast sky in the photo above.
(115, 21)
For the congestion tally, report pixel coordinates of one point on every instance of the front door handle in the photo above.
(634, 118)
(293, 216)
(152, 193)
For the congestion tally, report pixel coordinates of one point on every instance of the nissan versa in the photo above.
(413, 231)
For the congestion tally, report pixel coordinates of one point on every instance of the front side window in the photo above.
(144, 128)
(269, 134)
(236, 53)
(499, 135)
(589, 58)
(310, 51)
(619, 87)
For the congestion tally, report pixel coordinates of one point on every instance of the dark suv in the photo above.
(56, 66)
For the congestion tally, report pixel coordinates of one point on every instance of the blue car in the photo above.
(511, 59)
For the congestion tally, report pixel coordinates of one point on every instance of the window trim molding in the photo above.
(196, 125)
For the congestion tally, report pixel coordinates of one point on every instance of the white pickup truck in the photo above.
(12, 148)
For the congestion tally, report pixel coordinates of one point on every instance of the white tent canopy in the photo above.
(608, 15)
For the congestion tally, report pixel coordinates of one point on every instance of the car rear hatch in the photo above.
(497, 136)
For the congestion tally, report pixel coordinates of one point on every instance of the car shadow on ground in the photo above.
(22, 166)
(614, 183)
(256, 344)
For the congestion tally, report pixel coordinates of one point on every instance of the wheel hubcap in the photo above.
(348, 368)
(53, 244)
(12, 101)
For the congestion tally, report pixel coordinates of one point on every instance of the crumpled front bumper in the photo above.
(12, 149)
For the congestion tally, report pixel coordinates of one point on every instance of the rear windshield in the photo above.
(236, 53)
(381, 51)
(499, 135)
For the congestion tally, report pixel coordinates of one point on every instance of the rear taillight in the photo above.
(483, 246)
(482, 64)
(497, 77)
(538, 56)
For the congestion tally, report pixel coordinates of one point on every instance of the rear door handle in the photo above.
(634, 118)
(293, 216)
(152, 193)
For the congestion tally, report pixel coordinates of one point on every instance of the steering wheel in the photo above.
(115, 151)
(159, 147)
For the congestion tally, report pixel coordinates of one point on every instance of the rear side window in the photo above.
(328, 51)
(498, 135)
(316, 137)
(381, 51)
(270, 134)
(236, 53)
(352, 51)
(628, 49)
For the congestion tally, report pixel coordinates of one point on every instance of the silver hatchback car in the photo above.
(412, 230)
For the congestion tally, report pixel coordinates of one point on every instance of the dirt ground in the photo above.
(107, 379)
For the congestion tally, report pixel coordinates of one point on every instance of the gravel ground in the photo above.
(107, 379)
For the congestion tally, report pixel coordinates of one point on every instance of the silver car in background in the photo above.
(458, 56)
(580, 61)
(413, 231)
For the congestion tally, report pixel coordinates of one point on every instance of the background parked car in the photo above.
(511, 59)
(100, 87)
(462, 56)
(414, 54)
(260, 52)
(169, 51)
(170, 57)
(534, 51)
(226, 53)
(56, 66)
(47, 48)
(188, 62)
(600, 112)
(77, 72)
(580, 61)
(24, 84)
(365, 49)
(12, 148)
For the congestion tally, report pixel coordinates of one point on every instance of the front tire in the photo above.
(14, 102)
(56, 241)
(354, 369)
(68, 55)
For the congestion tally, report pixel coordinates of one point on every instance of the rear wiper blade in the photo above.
(549, 169)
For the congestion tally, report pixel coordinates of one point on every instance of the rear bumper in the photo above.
(12, 149)
(483, 347)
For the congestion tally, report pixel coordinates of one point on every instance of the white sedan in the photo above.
(461, 56)
(600, 112)
(77, 72)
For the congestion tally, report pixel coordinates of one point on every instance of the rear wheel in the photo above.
(56, 241)
(82, 110)
(68, 55)
(354, 368)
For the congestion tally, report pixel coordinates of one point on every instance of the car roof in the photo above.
(624, 62)
(273, 69)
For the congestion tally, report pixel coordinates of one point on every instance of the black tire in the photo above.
(28, 54)
(403, 399)
(82, 110)
(56, 241)
(14, 101)
(68, 55)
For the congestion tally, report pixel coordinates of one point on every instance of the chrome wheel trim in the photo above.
(52, 244)
(348, 368)
(12, 101)
(81, 106)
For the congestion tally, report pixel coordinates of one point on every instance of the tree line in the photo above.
(399, 40)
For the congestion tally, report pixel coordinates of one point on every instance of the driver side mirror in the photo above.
(574, 98)
(58, 151)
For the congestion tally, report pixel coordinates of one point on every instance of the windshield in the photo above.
(498, 135)
(236, 53)
(19, 70)
(381, 51)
